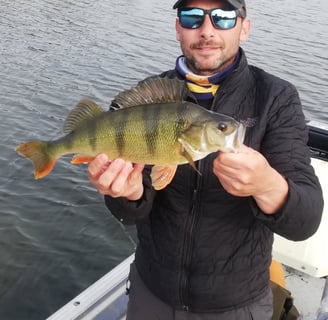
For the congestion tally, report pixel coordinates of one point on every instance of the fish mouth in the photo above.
(240, 136)
(235, 139)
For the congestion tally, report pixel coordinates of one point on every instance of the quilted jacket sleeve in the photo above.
(285, 146)
(128, 212)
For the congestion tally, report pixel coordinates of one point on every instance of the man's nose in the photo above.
(207, 28)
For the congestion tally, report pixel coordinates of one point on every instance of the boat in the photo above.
(305, 263)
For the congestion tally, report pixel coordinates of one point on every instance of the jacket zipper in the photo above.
(188, 241)
(189, 230)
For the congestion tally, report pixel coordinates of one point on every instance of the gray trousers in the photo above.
(143, 305)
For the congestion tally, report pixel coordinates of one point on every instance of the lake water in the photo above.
(56, 236)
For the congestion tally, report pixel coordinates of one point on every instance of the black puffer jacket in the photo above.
(204, 249)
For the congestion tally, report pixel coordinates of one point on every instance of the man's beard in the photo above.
(217, 65)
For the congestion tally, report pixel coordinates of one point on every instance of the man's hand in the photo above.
(117, 178)
(248, 173)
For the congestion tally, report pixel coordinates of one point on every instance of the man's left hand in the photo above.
(248, 173)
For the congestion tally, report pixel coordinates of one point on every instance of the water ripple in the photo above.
(56, 234)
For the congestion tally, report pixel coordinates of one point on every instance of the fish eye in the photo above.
(222, 127)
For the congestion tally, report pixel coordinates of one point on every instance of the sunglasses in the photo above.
(193, 18)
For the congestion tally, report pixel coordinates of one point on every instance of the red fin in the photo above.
(37, 152)
(41, 172)
(161, 176)
(80, 158)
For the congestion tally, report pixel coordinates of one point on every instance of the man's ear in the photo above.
(177, 29)
(245, 29)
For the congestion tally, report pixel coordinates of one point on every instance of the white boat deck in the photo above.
(307, 292)
(106, 299)
(306, 262)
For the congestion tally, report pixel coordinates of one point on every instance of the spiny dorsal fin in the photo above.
(86, 109)
(153, 90)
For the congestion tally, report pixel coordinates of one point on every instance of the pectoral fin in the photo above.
(161, 176)
(185, 153)
(81, 158)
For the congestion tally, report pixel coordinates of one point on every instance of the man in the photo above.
(205, 241)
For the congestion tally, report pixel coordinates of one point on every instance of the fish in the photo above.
(152, 124)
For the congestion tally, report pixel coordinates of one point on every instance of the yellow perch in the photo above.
(153, 125)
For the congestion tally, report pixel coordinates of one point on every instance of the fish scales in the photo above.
(153, 125)
(91, 130)
(120, 127)
(151, 129)
(147, 133)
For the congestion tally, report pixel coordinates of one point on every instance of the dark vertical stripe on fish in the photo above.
(92, 135)
(151, 127)
(181, 115)
(120, 127)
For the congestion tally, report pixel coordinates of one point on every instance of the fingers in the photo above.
(117, 178)
(244, 173)
(244, 149)
(97, 167)
(230, 162)
(137, 171)
(109, 177)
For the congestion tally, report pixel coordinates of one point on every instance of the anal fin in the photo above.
(81, 158)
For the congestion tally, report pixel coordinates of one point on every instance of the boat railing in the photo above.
(309, 257)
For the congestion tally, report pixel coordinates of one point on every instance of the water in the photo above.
(56, 236)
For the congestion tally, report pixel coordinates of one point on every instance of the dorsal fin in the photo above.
(86, 109)
(153, 90)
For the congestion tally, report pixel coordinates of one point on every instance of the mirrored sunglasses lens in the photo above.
(191, 19)
(224, 19)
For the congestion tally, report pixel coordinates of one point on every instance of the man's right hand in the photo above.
(116, 178)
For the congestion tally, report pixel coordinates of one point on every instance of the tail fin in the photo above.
(37, 152)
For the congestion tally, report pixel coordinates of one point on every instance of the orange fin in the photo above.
(80, 158)
(161, 176)
(43, 171)
(38, 153)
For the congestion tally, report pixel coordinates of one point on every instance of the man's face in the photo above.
(207, 49)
